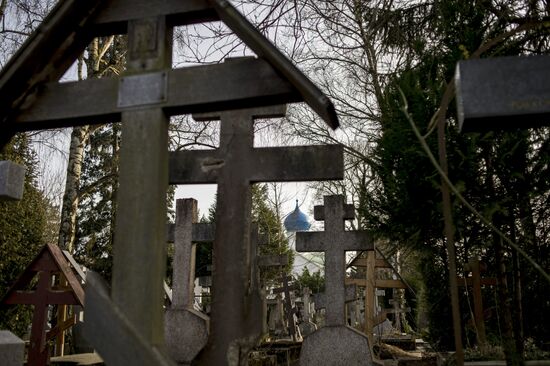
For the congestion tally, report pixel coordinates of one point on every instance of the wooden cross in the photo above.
(48, 263)
(347, 346)
(502, 93)
(186, 330)
(289, 309)
(143, 99)
(476, 281)
(334, 241)
(235, 165)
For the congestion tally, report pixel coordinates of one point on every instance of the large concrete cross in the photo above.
(334, 241)
(234, 166)
(503, 93)
(335, 344)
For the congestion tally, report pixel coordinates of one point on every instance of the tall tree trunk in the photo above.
(67, 228)
(513, 357)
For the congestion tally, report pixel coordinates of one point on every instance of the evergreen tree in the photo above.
(25, 227)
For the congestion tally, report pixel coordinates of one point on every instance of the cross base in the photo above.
(334, 346)
(186, 333)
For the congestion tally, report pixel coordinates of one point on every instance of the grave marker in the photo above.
(307, 326)
(288, 308)
(235, 165)
(12, 181)
(48, 263)
(144, 99)
(336, 343)
(502, 93)
(186, 330)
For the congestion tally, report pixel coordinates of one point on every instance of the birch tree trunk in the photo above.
(67, 229)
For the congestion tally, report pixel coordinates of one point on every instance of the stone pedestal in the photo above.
(334, 346)
(12, 349)
(12, 181)
(186, 333)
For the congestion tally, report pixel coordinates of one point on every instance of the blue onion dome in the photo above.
(297, 220)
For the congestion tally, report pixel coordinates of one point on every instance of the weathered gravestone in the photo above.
(235, 165)
(186, 330)
(12, 181)
(12, 349)
(143, 99)
(502, 93)
(307, 326)
(49, 265)
(289, 310)
(335, 343)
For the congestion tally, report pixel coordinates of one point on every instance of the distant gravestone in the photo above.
(12, 181)
(307, 326)
(12, 349)
(186, 330)
(336, 343)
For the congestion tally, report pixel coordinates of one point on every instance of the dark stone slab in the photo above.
(503, 93)
(12, 181)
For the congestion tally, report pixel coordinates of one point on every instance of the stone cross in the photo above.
(12, 181)
(503, 93)
(234, 166)
(288, 308)
(335, 343)
(186, 330)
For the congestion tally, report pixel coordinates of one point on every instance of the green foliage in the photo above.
(24, 226)
(97, 206)
(315, 282)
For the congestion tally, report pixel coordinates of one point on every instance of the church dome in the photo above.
(297, 220)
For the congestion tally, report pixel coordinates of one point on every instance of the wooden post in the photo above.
(369, 295)
(476, 267)
(139, 245)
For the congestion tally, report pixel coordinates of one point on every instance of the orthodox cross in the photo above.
(234, 166)
(347, 345)
(502, 93)
(49, 263)
(143, 99)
